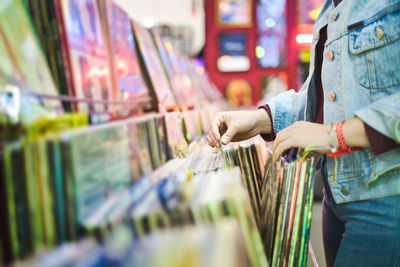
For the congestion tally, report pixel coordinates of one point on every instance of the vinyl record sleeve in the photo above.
(87, 54)
(271, 200)
(12, 246)
(304, 206)
(134, 150)
(55, 54)
(173, 123)
(298, 213)
(144, 146)
(162, 138)
(291, 214)
(127, 81)
(56, 181)
(68, 184)
(154, 143)
(22, 58)
(308, 214)
(153, 66)
(45, 193)
(281, 220)
(23, 219)
(33, 195)
(99, 162)
(179, 80)
(285, 214)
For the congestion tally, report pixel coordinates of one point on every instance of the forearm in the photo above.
(263, 121)
(354, 133)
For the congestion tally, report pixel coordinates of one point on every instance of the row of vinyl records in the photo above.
(56, 174)
(281, 197)
(67, 186)
(94, 54)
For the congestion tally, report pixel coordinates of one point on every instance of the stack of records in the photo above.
(220, 244)
(152, 67)
(88, 56)
(75, 30)
(251, 156)
(90, 48)
(175, 199)
(179, 80)
(23, 69)
(127, 82)
(287, 204)
(281, 196)
(58, 182)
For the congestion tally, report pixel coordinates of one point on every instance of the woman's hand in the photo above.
(301, 134)
(238, 126)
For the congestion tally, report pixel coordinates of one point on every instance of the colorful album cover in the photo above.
(22, 59)
(281, 219)
(144, 146)
(99, 165)
(299, 205)
(87, 53)
(174, 132)
(134, 150)
(292, 210)
(43, 15)
(307, 214)
(127, 79)
(154, 143)
(151, 58)
(180, 82)
(162, 138)
(271, 191)
(193, 94)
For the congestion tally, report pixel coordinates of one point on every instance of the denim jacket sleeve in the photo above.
(288, 107)
(383, 115)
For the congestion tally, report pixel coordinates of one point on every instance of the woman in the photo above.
(349, 102)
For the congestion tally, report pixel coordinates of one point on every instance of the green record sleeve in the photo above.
(45, 196)
(33, 195)
(296, 235)
(57, 188)
(23, 219)
(9, 228)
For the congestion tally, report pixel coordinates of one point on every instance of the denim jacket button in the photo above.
(330, 55)
(332, 96)
(335, 16)
(379, 32)
(345, 191)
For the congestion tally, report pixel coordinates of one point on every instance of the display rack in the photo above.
(140, 182)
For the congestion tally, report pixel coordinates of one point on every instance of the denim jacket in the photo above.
(361, 69)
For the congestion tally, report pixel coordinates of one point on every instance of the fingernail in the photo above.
(224, 139)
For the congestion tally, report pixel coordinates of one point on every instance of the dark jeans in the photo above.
(361, 233)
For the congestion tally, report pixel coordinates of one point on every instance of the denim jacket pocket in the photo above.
(375, 48)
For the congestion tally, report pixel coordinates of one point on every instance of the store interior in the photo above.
(105, 106)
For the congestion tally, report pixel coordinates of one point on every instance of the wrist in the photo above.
(332, 137)
(262, 121)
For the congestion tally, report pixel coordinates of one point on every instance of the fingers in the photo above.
(214, 134)
(282, 136)
(229, 134)
(282, 147)
(284, 140)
